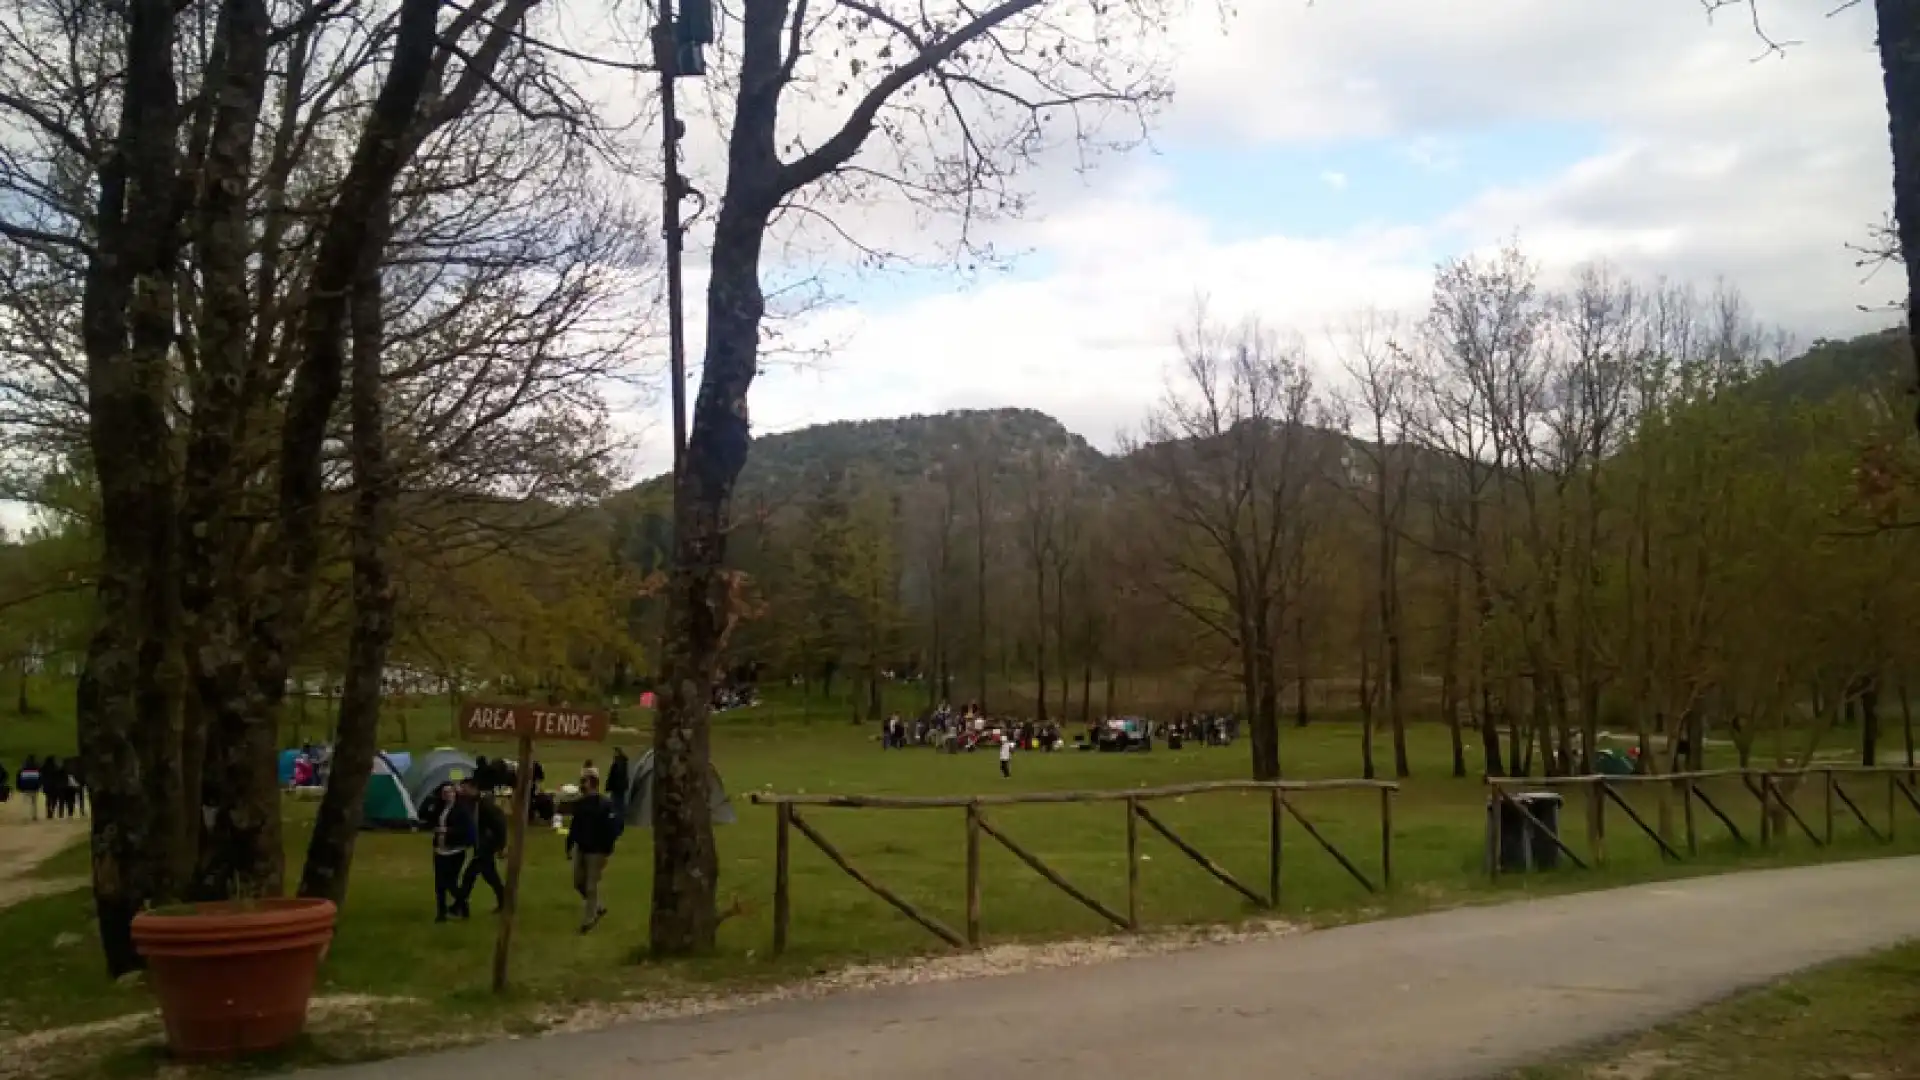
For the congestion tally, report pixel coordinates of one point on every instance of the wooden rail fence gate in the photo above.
(789, 819)
(1773, 789)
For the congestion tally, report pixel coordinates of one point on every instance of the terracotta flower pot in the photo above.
(234, 978)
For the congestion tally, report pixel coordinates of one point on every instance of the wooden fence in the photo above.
(1772, 789)
(788, 819)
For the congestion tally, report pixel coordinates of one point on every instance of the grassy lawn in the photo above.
(1856, 1019)
(387, 944)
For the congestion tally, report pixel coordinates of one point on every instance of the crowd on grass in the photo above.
(971, 728)
(58, 783)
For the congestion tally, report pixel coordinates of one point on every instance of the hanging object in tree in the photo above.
(693, 31)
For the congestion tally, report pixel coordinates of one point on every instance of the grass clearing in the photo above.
(1856, 1020)
(387, 946)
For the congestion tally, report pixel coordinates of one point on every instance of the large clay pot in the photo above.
(234, 978)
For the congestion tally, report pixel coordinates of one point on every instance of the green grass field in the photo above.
(1858, 1019)
(387, 944)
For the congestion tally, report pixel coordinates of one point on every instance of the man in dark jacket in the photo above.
(490, 839)
(590, 839)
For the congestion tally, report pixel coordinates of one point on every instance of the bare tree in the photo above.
(1381, 384)
(1228, 452)
(991, 85)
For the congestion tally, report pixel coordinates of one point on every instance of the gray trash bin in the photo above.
(1523, 847)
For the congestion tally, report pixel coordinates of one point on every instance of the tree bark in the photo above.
(685, 862)
(1899, 42)
(1870, 720)
(248, 859)
(214, 590)
(125, 701)
(337, 823)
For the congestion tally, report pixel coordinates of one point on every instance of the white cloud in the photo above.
(1714, 166)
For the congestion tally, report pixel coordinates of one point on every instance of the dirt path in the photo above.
(1459, 994)
(25, 844)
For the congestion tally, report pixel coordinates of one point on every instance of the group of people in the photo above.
(311, 765)
(966, 730)
(470, 834)
(61, 782)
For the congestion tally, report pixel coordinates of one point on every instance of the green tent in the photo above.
(386, 805)
(1614, 763)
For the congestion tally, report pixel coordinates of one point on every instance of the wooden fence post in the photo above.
(1766, 810)
(782, 875)
(1274, 817)
(1596, 829)
(973, 875)
(1829, 775)
(1386, 842)
(1693, 827)
(1493, 831)
(1133, 865)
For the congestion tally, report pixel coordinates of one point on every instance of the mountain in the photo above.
(1871, 363)
(899, 451)
(895, 454)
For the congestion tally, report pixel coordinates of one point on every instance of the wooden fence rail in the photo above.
(787, 819)
(1773, 789)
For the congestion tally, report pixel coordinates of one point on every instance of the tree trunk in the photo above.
(21, 704)
(337, 823)
(125, 700)
(1899, 40)
(1300, 687)
(1086, 690)
(1366, 712)
(1870, 720)
(215, 600)
(1040, 642)
(1450, 671)
(686, 864)
(980, 584)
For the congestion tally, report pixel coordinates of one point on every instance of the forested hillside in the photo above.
(1530, 516)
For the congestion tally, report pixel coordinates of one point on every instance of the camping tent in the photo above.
(443, 766)
(640, 794)
(387, 804)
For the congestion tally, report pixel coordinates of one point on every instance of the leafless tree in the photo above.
(948, 100)
(1229, 454)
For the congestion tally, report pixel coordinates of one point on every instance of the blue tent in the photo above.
(287, 758)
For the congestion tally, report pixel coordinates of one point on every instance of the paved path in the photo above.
(1458, 994)
(25, 843)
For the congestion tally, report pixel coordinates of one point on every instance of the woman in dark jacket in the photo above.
(29, 781)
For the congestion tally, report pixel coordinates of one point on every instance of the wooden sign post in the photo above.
(526, 723)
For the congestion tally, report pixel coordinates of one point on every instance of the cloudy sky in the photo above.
(1321, 157)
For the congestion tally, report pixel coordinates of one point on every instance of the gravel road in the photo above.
(1459, 994)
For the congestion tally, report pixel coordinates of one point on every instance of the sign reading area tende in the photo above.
(547, 723)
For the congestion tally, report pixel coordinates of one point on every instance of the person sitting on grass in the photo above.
(590, 839)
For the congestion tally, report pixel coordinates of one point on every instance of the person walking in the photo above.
(28, 780)
(590, 839)
(452, 839)
(490, 839)
(1006, 757)
(53, 785)
(77, 779)
(619, 778)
